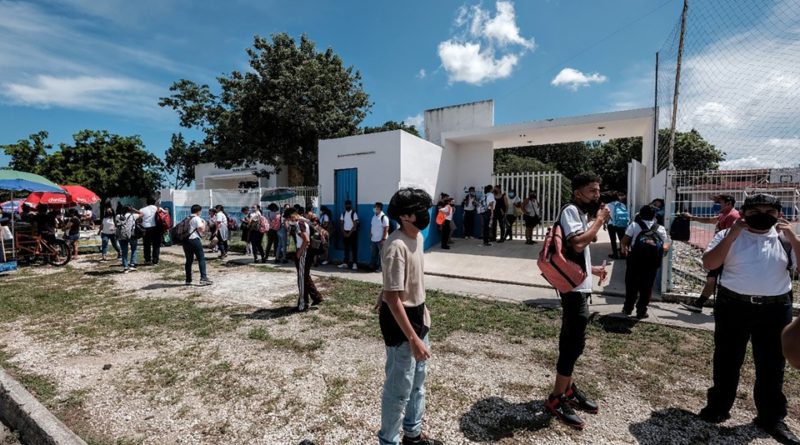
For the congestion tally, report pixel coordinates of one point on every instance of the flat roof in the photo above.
(591, 127)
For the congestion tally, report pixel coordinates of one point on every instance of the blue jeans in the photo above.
(375, 261)
(194, 248)
(105, 240)
(403, 391)
(281, 254)
(123, 246)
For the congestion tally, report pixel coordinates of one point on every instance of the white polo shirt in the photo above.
(573, 221)
(149, 216)
(348, 219)
(379, 222)
(756, 264)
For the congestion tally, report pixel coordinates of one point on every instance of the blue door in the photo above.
(346, 187)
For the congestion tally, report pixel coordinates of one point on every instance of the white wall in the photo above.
(458, 117)
(475, 166)
(230, 178)
(420, 162)
(376, 156)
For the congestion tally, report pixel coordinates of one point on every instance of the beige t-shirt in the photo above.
(403, 264)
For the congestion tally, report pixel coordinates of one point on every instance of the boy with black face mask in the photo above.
(405, 321)
(754, 303)
(578, 235)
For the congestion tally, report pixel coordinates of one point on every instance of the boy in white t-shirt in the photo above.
(641, 241)
(379, 231)
(349, 224)
(193, 247)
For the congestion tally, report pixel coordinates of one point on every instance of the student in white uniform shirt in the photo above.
(579, 234)
(108, 234)
(193, 247)
(152, 232)
(349, 224)
(379, 231)
(646, 241)
(754, 304)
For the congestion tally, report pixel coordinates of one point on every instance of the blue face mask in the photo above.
(511, 194)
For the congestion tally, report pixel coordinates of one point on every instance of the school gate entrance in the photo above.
(552, 191)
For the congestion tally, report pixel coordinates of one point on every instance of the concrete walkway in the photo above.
(508, 272)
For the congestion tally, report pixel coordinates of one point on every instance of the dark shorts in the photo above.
(714, 273)
(74, 237)
(531, 221)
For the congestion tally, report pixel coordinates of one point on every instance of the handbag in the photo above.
(138, 230)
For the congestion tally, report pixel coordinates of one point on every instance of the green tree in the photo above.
(108, 164)
(507, 162)
(181, 159)
(276, 112)
(27, 155)
(691, 151)
(391, 126)
(568, 158)
(610, 160)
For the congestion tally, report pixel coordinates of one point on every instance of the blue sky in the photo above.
(67, 65)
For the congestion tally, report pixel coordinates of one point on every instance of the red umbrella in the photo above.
(50, 199)
(81, 195)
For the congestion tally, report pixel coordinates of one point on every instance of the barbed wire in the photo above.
(740, 81)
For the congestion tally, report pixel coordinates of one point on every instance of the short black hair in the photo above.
(488, 188)
(289, 212)
(762, 199)
(245, 209)
(725, 198)
(583, 179)
(219, 208)
(379, 205)
(348, 202)
(647, 212)
(151, 200)
(196, 208)
(272, 207)
(472, 187)
(408, 201)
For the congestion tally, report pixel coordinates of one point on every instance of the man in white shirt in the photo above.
(646, 241)
(379, 231)
(222, 234)
(575, 315)
(487, 210)
(754, 303)
(349, 224)
(193, 247)
(152, 232)
(470, 205)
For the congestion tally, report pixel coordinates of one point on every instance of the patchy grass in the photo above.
(262, 334)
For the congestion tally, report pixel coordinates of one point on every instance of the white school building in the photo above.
(458, 152)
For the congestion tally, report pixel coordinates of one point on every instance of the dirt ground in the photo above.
(140, 358)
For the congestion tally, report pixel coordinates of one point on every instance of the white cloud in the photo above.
(749, 162)
(416, 120)
(485, 48)
(784, 143)
(716, 114)
(574, 79)
(82, 92)
(421, 74)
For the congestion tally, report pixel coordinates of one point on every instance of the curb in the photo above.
(27, 416)
(516, 283)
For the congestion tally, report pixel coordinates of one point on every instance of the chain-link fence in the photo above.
(694, 193)
(739, 81)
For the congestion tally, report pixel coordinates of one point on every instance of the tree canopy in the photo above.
(108, 164)
(275, 112)
(391, 126)
(181, 159)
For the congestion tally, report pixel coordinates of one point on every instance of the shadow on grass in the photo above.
(678, 426)
(156, 286)
(615, 323)
(494, 419)
(102, 273)
(269, 314)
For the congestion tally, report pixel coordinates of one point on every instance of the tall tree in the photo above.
(391, 126)
(692, 151)
(181, 159)
(108, 164)
(27, 155)
(276, 112)
(611, 159)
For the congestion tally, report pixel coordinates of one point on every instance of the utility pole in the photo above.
(654, 166)
(677, 85)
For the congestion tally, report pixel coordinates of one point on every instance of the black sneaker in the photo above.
(642, 315)
(561, 409)
(712, 416)
(779, 431)
(578, 399)
(422, 439)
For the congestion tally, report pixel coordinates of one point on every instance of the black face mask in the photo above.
(761, 221)
(590, 208)
(348, 208)
(423, 219)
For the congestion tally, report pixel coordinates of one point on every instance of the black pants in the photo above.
(446, 229)
(486, 218)
(499, 219)
(256, 240)
(152, 244)
(272, 242)
(639, 280)
(305, 285)
(193, 248)
(469, 223)
(572, 340)
(351, 248)
(510, 220)
(222, 244)
(736, 323)
(615, 233)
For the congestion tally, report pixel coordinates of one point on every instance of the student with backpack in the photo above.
(757, 256)
(257, 228)
(487, 211)
(126, 228)
(379, 231)
(301, 234)
(443, 217)
(190, 235)
(619, 222)
(222, 231)
(248, 250)
(153, 232)
(645, 242)
(274, 220)
(349, 226)
(578, 235)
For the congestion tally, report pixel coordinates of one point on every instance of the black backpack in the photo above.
(679, 229)
(648, 247)
(392, 226)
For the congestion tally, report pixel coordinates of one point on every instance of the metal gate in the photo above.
(552, 190)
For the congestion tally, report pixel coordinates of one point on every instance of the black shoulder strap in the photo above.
(787, 247)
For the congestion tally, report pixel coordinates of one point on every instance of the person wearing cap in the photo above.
(727, 216)
(754, 304)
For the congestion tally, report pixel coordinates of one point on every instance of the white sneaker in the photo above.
(355, 266)
(324, 263)
(343, 266)
(126, 271)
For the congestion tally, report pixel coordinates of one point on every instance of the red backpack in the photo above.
(562, 273)
(163, 219)
(263, 224)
